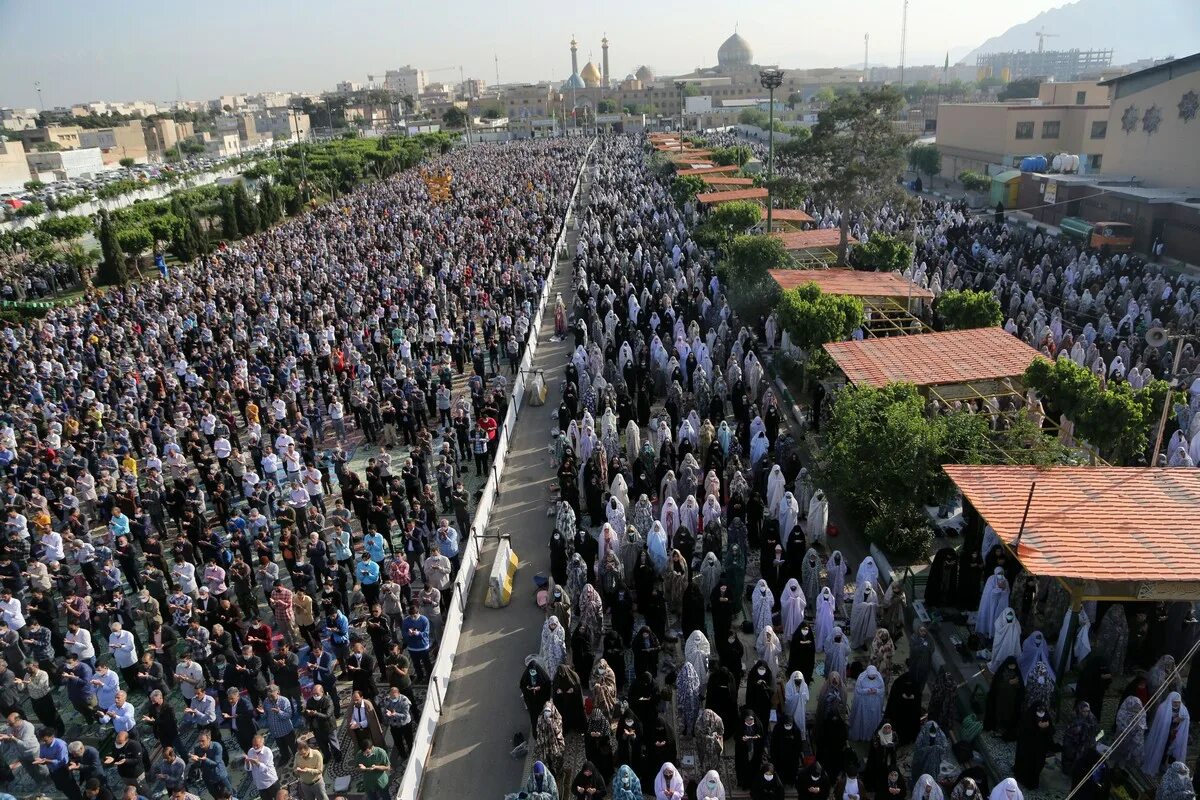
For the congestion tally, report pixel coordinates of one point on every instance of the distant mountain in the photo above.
(1134, 30)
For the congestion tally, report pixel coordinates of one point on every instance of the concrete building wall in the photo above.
(973, 135)
(117, 142)
(1167, 156)
(14, 169)
(1073, 93)
(79, 163)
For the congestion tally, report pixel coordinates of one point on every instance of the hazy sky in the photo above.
(138, 49)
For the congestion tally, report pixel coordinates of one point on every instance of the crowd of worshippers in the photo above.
(679, 482)
(1137, 648)
(1063, 299)
(183, 524)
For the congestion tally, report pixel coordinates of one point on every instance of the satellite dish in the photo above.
(1156, 337)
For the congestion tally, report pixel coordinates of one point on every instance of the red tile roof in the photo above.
(1092, 523)
(933, 359)
(790, 215)
(730, 168)
(804, 240)
(724, 180)
(710, 198)
(851, 282)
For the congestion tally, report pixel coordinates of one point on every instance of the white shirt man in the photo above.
(190, 675)
(123, 646)
(52, 546)
(11, 611)
(222, 448)
(184, 573)
(80, 643)
(261, 761)
(312, 482)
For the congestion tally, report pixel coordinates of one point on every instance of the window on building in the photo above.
(1024, 130)
(1095, 160)
(1050, 129)
(1100, 129)
(1080, 98)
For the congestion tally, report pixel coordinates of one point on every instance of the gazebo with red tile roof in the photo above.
(1117, 533)
(947, 358)
(716, 198)
(807, 240)
(852, 282)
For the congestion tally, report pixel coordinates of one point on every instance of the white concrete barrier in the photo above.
(418, 759)
(500, 582)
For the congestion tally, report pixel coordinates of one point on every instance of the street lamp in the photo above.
(680, 86)
(771, 79)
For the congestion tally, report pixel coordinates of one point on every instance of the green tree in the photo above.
(1024, 87)
(33, 209)
(854, 155)
(752, 257)
(729, 220)
(961, 310)
(685, 188)
(112, 265)
(882, 253)
(247, 212)
(726, 156)
(606, 107)
(126, 162)
(269, 207)
(813, 318)
(229, 216)
(794, 99)
(135, 241)
(787, 191)
(754, 116)
(925, 159)
(454, 117)
(33, 186)
(493, 112)
(824, 96)
(66, 229)
(47, 147)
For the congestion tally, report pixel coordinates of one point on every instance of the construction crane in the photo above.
(1042, 37)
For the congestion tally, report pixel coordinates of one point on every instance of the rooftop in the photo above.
(851, 282)
(716, 198)
(804, 240)
(790, 215)
(731, 168)
(1092, 523)
(720, 179)
(933, 359)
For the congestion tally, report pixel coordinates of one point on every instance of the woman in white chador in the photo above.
(1007, 789)
(669, 517)
(712, 510)
(836, 568)
(991, 602)
(928, 789)
(762, 604)
(615, 512)
(1082, 641)
(867, 711)
(824, 618)
(792, 606)
(697, 652)
(1006, 639)
(689, 514)
(1167, 735)
(817, 520)
(633, 440)
(864, 615)
(776, 486)
(554, 645)
(788, 515)
(620, 490)
(837, 652)
(795, 701)
(1034, 651)
(868, 572)
(770, 649)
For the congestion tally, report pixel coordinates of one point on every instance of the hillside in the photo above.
(1145, 29)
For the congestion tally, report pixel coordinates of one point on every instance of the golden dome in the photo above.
(591, 76)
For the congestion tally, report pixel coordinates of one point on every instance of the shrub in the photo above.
(974, 181)
(900, 531)
(968, 309)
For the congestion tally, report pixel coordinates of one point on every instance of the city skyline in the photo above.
(226, 48)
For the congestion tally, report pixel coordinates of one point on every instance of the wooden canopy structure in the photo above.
(959, 364)
(1106, 533)
(728, 169)
(725, 181)
(717, 198)
(887, 298)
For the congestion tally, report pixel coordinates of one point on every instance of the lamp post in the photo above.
(771, 79)
(680, 86)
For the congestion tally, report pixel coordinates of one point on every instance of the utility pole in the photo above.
(866, 57)
(680, 86)
(771, 79)
(42, 103)
(903, 42)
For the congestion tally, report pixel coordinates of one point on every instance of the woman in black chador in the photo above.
(942, 588)
(1006, 698)
(1034, 743)
(568, 698)
(721, 695)
(750, 737)
(802, 654)
(904, 708)
(536, 689)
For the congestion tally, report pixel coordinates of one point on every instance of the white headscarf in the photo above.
(927, 782)
(1007, 789)
(668, 788)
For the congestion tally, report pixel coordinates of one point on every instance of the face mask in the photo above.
(762, 670)
(768, 777)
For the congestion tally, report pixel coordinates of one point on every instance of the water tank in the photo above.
(1074, 164)
(1034, 164)
(1056, 163)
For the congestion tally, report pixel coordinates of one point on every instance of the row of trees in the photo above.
(1113, 417)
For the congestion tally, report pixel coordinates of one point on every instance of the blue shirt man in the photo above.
(211, 758)
(78, 678)
(367, 571)
(373, 544)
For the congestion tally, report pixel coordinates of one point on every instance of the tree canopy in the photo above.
(925, 159)
(751, 257)
(960, 310)
(112, 265)
(813, 318)
(685, 188)
(881, 253)
(854, 154)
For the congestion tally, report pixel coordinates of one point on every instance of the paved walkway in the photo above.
(483, 707)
